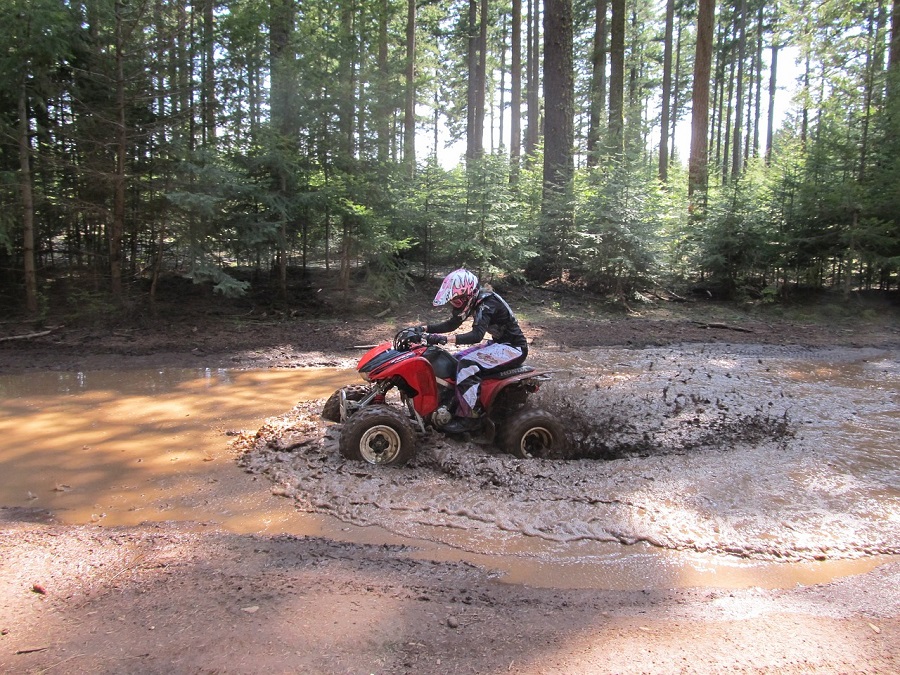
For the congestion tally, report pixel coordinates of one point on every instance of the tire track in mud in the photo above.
(719, 449)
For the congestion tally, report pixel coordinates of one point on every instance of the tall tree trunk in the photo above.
(698, 165)
(209, 72)
(874, 64)
(617, 79)
(473, 143)
(515, 126)
(25, 188)
(559, 130)
(804, 115)
(533, 127)
(760, 27)
(502, 105)
(409, 115)
(718, 98)
(894, 57)
(773, 84)
(347, 86)
(117, 227)
(737, 147)
(676, 94)
(281, 56)
(729, 99)
(383, 117)
(598, 82)
(666, 92)
(481, 78)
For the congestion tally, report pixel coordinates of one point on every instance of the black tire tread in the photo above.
(520, 422)
(376, 415)
(331, 411)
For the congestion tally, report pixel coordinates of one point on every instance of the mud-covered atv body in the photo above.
(379, 432)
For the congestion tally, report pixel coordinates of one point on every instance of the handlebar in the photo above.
(406, 337)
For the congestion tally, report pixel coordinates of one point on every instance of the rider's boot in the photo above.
(460, 425)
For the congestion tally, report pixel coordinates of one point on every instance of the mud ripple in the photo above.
(729, 451)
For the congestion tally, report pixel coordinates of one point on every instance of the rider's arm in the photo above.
(454, 322)
(480, 324)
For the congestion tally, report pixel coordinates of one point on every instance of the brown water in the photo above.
(146, 446)
(122, 448)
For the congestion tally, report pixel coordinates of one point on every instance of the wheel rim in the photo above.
(536, 442)
(380, 444)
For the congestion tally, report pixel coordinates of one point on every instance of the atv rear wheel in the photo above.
(331, 411)
(532, 433)
(378, 434)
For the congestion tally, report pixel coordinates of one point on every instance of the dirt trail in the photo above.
(186, 598)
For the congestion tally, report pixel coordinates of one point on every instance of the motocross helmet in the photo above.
(459, 289)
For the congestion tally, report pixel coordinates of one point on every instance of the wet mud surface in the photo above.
(737, 450)
(777, 444)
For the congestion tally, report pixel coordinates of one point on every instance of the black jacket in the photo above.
(490, 314)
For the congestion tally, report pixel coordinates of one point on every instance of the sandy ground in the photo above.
(186, 598)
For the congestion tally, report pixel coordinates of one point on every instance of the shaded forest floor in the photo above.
(186, 598)
(320, 325)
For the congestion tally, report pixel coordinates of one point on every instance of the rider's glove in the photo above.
(435, 339)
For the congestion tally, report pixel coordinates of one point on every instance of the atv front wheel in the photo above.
(533, 433)
(331, 411)
(378, 434)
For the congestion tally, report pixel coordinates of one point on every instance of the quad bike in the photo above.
(381, 432)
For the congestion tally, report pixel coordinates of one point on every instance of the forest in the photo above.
(234, 141)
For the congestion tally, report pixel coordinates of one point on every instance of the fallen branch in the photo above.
(724, 326)
(32, 650)
(27, 336)
(675, 297)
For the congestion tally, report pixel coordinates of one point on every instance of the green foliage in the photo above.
(230, 160)
(619, 217)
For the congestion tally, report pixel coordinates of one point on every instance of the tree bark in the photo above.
(481, 78)
(383, 117)
(209, 72)
(532, 129)
(25, 188)
(409, 119)
(770, 122)
(617, 79)
(894, 57)
(117, 226)
(559, 129)
(281, 63)
(515, 127)
(473, 143)
(698, 165)
(666, 93)
(598, 82)
(737, 145)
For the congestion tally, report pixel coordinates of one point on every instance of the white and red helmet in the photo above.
(459, 289)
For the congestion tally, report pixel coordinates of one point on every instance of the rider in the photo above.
(490, 314)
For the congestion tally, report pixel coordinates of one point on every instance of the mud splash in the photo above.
(757, 452)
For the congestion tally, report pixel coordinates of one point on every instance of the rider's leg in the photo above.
(468, 385)
(490, 358)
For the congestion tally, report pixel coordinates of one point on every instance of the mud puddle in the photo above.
(122, 448)
(719, 461)
(728, 463)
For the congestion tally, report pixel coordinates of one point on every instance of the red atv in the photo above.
(379, 432)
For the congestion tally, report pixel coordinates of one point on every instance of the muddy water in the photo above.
(122, 448)
(726, 460)
(696, 465)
